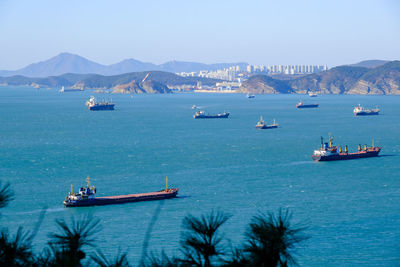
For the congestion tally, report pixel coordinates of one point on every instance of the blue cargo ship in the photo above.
(104, 105)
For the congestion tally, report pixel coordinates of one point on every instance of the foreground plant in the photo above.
(271, 240)
(201, 242)
(15, 251)
(66, 247)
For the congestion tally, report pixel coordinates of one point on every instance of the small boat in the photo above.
(250, 96)
(302, 105)
(360, 111)
(194, 107)
(261, 124)
(202, 115)
(312, 94)
(329, 152)
(93, 105)
(87, 196)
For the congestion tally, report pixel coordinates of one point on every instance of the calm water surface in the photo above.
(49, 140)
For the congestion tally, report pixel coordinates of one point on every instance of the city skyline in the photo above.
(258, 32)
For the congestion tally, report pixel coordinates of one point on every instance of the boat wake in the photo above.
(298, 163)
(50, 210)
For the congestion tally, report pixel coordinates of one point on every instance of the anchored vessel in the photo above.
(312, 94)
(202, 115)
(302, 105)
(250, 96)
(261, 124)
(86, 196)
(360, 111)
(93, 105)
(328, 152)
(70, 90)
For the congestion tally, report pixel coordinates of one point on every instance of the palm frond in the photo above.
(119, 261)
(200, 240)
(271, 239)
(6, 195)
(76, 235)
(15, 251)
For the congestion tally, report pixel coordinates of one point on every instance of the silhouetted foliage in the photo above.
(271, 240)
(119, 261)
(6, 195)
(161, 261)
(66, 247)
(201, 242)
(15, 251)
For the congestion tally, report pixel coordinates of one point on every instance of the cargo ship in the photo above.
(261, 124)
(93, 105)
(63, 90)
(360, 111)
(329, 152)
(202, 115)
(87, 196)
(302, 105)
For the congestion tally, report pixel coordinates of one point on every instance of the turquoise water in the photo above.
(49, 140)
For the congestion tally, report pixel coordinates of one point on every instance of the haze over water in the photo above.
(351, 208)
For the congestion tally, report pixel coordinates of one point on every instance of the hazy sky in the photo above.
(258, 32)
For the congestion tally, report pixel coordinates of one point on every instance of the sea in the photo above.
(350, 209)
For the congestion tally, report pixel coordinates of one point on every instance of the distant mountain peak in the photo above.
(66, 62)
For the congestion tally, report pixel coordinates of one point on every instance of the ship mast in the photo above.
(330, 140)
(166, 183)
(88, 181)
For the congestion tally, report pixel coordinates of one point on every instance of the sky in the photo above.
(265, 32)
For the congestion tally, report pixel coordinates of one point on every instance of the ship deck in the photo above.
(158, 193)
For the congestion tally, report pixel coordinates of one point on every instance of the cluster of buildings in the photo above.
(287, 69)
(233, 76)
(236, 74)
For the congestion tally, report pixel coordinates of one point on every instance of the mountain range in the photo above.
(381, 79)
(70, 63)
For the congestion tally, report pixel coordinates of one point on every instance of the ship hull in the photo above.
(308, 106)
(366, 113)
(347, 156)
(101, 201)
(224, 116)
(267, 127)
(103, 107)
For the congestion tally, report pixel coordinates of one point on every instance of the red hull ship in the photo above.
(86, 197)
(328, 152)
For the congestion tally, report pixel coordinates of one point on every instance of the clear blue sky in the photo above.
(258, 32)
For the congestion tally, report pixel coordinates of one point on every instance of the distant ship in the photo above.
(194, 107)
(302, 105)
(250, 96)
(86, 196)
(360, 111)
(312, 94)
(202, 115)
(261, 124)
(328, 152)
(93, 105)
(70, 90)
